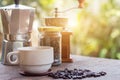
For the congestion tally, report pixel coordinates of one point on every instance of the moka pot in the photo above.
(17, 23)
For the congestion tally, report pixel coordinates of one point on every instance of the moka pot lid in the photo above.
(14, 6)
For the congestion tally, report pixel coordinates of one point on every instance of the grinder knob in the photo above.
(81, 3)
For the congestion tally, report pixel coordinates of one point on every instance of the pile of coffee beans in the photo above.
(75, 74)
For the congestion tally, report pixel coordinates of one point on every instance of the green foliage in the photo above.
(99, 34)
(96, 34)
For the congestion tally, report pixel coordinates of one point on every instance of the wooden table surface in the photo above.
(112, 67)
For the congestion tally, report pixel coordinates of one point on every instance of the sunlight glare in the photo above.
(72, 21)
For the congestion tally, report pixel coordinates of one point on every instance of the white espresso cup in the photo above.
(33, 59)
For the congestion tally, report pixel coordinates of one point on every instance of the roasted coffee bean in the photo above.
(64, 77)
(79, 77)
(68, 76)
(102, 73)
(86, 70)
(60, 76)
(51, 74)
(66, 69)
(55, 76)
(84, 76)
(74, 77)
(97, 75)
(75, 74)
(75, 69)
(89, 74)
(80, 72)
(92, 74)
(70, 71)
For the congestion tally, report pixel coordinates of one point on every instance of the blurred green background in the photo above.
(96, 27)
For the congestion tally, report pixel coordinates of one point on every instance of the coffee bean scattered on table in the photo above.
(75, 74)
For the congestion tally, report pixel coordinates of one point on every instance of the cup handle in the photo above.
(10, 54)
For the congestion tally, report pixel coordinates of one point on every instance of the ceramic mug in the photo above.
(33, 59)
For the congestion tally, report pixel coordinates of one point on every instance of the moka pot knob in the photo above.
(16, 2)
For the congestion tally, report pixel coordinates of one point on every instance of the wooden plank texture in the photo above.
(112, 67)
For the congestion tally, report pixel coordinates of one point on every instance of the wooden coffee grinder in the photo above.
(62, 22)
